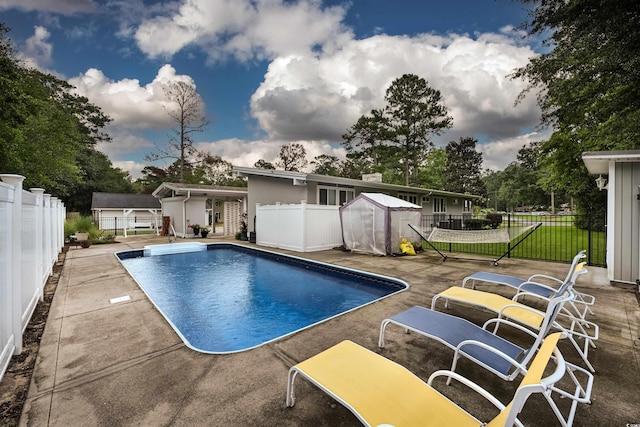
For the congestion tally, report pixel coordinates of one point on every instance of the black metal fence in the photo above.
(557, 238)
(140, 224)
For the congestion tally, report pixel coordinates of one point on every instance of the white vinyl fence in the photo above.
(300, 228)
(31, 237)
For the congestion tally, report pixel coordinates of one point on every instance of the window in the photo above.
(439, 205)
(334, 195)
(411, 198)
(467, 206)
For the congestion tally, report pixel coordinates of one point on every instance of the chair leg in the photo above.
(383, 327)
(291, 399)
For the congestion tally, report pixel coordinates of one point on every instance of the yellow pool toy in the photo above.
(406, 247)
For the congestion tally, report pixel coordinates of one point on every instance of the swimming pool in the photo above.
(225, 298)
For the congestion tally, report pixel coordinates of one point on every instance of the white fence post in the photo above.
(47, 234)
(7, 338)
(58, 215)
(15, 265)
(39, 242)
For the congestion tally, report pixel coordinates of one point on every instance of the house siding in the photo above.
(268, 191)
(626, 222)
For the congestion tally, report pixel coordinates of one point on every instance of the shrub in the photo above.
(494, 219)
(82, 224)
(475, 224)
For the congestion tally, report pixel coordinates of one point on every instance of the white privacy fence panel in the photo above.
(31, 287)
(6, 329)
(300, 228)
(31, 237)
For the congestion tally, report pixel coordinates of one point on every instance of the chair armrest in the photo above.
(491, 349)
(498, 321)
(543, 276)
(533, 282)
(475, 387)
(582, 393)
(582, 332)
(522, 293)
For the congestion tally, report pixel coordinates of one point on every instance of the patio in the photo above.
(121, 364)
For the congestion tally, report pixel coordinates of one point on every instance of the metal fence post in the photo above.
(589, 236)
(508, 230)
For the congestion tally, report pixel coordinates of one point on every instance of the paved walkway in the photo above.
(121, 364)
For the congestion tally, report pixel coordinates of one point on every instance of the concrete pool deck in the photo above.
(121, 364)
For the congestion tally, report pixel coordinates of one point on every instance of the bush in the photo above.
(494, 219)
(82, 224)
(475, 224)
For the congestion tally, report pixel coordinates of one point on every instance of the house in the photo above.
(623, 211)
(269, 186)
(205, 205)
(123, 211)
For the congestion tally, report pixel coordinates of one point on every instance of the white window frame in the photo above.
(439, 205)
(408, 197)
(349, 194)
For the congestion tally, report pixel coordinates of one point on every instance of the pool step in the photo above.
(174, 248)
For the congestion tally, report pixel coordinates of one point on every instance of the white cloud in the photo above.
(320, 96)
(134, 168)
(65, 7)
(123, 142)
(127, 101)
(244, 29)
(498, 154)
(246, 153)
(36, 52)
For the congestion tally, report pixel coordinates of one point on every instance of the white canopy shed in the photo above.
(376, 223)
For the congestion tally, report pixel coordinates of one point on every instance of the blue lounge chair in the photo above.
(487, 349)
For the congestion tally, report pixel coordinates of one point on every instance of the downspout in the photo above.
(184, 213)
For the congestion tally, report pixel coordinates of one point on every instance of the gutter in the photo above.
(184, 213)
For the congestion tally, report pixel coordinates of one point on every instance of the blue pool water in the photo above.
(229, 298)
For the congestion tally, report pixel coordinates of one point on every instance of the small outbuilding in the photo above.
(123, 211)
(376, 223)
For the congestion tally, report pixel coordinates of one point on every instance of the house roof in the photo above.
(597, 162)
(124, 201)
(301, 178)
(171, 189)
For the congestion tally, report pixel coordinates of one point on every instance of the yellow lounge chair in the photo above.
(380, 392)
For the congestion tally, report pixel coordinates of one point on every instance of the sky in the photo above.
(274, 72)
